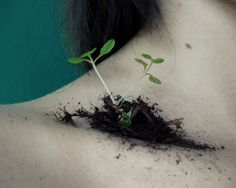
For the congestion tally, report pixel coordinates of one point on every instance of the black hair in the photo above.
(93, 22)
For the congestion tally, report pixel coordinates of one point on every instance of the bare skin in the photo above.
(199, 83)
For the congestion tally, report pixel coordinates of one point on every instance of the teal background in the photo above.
(33, 50)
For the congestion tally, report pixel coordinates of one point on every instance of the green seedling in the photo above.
(125, 119)
(87, 57)
(146, 68)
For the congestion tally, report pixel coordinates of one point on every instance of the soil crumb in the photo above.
(147, 124)
(118, 156)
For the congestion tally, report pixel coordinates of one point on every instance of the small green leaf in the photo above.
(126, 120)
(154, 79)
(147, 56)
(140, 61)
(88, 53)
(108, 46)
(75, 60)
(158, 61)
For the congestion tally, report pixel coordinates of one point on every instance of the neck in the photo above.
(198, 44)
(193, 30)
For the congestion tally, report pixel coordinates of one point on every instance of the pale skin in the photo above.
(199, 83)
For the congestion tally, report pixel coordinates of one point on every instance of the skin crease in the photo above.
(199, 84)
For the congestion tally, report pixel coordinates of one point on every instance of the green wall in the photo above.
(33, 50)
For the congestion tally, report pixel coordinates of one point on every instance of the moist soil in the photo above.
(147, 123)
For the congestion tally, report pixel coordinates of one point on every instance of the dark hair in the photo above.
(93, 22)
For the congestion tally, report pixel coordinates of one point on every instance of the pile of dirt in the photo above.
(147, 124)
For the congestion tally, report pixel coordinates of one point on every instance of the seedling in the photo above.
(87, 57)
(136, 118)
(146, 69)
(125, 119)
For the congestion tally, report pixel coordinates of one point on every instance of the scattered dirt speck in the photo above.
(118, 156)
(178, 161)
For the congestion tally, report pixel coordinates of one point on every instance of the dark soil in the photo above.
(147, 123)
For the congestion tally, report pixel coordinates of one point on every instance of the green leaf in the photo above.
(108, 46)
(154, 79)
(75, 60)
(158, 61)
(88, 53)
(140, 61)
(126, 120)
(147, 56)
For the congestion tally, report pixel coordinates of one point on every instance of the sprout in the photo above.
(87, 57)
(146, 69)
(125, 119)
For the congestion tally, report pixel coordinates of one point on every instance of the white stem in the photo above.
(131, 87)
(149, 67)
(135, 83)
(103, 82)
